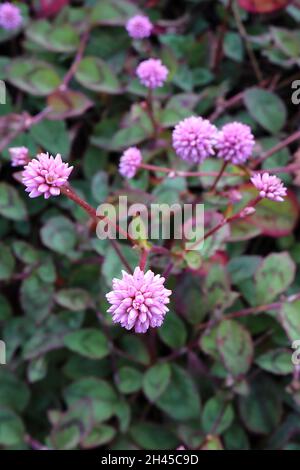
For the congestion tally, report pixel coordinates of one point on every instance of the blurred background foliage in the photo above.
(215, 375)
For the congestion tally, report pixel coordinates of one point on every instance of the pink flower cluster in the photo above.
(129, 162)
(152, 73)
(235, 143)
(44, 175)
(139, 300)
(10, 16)
(19, 156)
(195, 139)
(269, 186)
(139, 27)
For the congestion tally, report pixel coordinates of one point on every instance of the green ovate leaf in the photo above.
(73, 299)
(181, 399)
(101, 434)
(56, 38)
(274, 275)
(112, 12)
(217, 416)
(173, 332)
(7, 262)
(289, 318)
(261, 408)
(88, 342)
(43, 133)
(156, 380)
(266, 108)
(13, 392)
(33, 76)
(58, 234)
(287, 41)
(129, 380)
(11, 205)
(36, 297)
(153, 436)
(11, 428)
(67, 103)
(235, 347)
(94, 74)
(277, 361)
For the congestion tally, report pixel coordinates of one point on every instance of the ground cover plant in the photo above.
(127, 341)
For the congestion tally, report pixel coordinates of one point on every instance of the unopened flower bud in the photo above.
(247, 211)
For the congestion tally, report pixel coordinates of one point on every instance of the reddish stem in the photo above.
(72, 70)
(150, 111)
(251, 311)
(143, 259)
(238, 215)
(221, 172)
(34, 444)
(28, 121)
(168, 270)
(171, 171)
(70, 193)
(227, 220)
(117, 249)
(220, 43)
(281, 169)
(281, 145)
(160, 250)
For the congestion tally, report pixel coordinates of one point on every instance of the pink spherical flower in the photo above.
(139, 27)
(235, 143)
(129, 162)
(19, 156)
(194, 139)
(139, 300)
(44, 175)
(152, 73)
(10, 16)
(269, 186)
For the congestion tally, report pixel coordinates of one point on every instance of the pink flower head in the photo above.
(44, 175)
(129, 162)
(269, 186)
(194, 139)
(19, 156)
(139, 300)
(139, 27)
(234, 196)
(10, 16)
(152, 73)
(235, 143)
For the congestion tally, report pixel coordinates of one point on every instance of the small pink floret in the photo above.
(138, 301)
(269, 186)
(10, 16)
(194, 139)
(19, 156)
(235, 143)
(139, 27)
(44, 175)
(129, 162)
(152, 73)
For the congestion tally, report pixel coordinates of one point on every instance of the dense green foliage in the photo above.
(214, 375)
